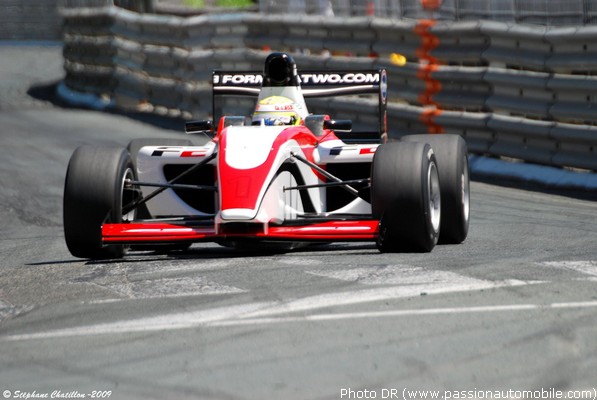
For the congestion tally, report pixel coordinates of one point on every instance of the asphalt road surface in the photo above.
(512, 309)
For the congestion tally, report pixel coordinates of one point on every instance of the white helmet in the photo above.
(276, 110)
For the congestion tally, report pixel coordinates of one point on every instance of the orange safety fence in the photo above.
(427, 65)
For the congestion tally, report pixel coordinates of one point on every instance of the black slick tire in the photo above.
(94, 194)
(405, 197)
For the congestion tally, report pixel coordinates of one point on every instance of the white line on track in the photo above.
(325, 300)
(404, 313)
(236, 316)
(163, 322)
(584, 267)
(412, 281)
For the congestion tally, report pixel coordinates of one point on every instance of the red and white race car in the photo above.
(281, 176)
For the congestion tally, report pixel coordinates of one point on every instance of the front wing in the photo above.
(164, 233)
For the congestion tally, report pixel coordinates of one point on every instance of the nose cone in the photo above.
(247, 155)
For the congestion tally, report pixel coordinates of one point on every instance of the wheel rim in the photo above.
(434, 196)
(465, 185)
(128, 195)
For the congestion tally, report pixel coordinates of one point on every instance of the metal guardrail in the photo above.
(543, 12)
(519, 91)
(29, 20)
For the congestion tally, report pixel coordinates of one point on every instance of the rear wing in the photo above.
(313, 84)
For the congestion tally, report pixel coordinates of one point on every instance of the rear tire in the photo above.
(405, 197)
(94, 194)
(452, 159)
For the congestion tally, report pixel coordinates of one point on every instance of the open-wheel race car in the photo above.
(280, 177)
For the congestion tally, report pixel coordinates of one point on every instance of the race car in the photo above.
(278, 177)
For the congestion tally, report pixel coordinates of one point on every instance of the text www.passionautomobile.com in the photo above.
(413, 394)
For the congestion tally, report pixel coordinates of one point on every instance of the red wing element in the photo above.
(154, 233)
(336, 230)
(361, 230)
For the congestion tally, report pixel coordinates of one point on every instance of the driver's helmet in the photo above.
(275, 111)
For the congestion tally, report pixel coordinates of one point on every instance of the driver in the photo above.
(276, 111)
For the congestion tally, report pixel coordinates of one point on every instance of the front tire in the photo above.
(405, 197)
(94, 194)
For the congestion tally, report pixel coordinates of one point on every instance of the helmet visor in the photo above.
(275, 118)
